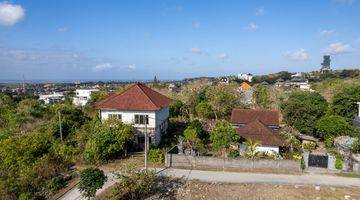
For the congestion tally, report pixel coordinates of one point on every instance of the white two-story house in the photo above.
(83, 96)
(141, 106)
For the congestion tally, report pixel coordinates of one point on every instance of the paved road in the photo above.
(236, 177)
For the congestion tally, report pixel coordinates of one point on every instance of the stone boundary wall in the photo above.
(177, 160)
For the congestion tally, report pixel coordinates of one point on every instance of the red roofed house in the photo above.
(139, 105)
(258, 125)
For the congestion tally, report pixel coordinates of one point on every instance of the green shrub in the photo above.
(332, 126)
(309, 146)
(91, 179)
(302, 164)
(134, 184)
(233, 153)
(55, 184)
(156, 156)
(356, 146)
(109, 140)
(329, 142)
(339, 162)
(27, 196)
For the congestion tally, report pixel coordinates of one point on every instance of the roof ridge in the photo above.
(108, 98)
(147, 96)
(266, 127)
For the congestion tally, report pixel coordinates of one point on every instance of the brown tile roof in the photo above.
(246, 116)
(137, 97)
(257, 131)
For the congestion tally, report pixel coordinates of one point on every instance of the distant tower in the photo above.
(23, 84)
(155, 81)
(326, 63)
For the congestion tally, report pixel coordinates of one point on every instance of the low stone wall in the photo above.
(176, 160)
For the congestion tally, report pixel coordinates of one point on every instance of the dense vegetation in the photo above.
(302, 109)
(35, 157)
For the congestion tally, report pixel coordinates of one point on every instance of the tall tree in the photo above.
(223, 136)
(191, 136)
(223, 99)
(302, 109)
(344, 103)
(109, 139)
(262, 96)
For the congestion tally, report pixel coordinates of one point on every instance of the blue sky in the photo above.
(76, 40)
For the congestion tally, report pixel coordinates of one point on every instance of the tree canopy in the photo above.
(91, 179)
(262, 96)
(302, 109)
(344, 103)
(332, 126)
(222, 100)
(108, 139)
(223, 135)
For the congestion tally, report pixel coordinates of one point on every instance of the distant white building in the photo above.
(245, 77)
(52, 98)
(296, 75)
(144, 108)
(83, 96)
(296, 82)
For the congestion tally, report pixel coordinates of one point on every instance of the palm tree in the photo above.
(251, 151)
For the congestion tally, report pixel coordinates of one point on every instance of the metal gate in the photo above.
(318, 161)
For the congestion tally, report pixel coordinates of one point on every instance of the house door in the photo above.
(318, 161)
(141, 142)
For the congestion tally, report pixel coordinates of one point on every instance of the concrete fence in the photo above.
(181, 160)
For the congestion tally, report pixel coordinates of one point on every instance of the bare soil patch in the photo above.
(197, 190)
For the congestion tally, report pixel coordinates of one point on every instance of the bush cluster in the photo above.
(156, 156)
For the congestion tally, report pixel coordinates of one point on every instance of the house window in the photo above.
(141, 119)
(115, 116)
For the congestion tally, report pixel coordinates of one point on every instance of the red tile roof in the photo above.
(137, 97)
(257, 131)
(246, 116)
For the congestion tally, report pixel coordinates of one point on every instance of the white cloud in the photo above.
(131, 66)
(327, 33)
(10, 14)
(103, 66)
(62, 29)
(222, 56)
(251, 26)
(299, 55)
(196, 24)
(260, 11)
(337, 48)
(196, 50)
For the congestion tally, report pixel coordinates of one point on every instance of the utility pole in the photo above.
(61, 135)
(146, 142)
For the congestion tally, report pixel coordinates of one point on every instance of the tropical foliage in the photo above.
(91, 179)
(302, 109)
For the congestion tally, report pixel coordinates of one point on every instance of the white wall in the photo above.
(268, 149)
(157, 120)
(129, 116)
(83, 96)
